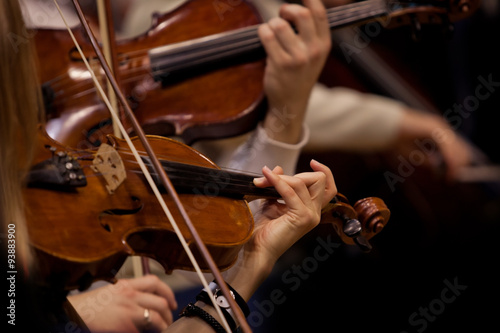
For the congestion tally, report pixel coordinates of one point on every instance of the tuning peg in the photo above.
(352, 228)
(363, 244)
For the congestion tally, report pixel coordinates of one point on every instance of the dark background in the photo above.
(438, 231)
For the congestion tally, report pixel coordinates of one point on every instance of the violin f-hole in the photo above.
(119, 212)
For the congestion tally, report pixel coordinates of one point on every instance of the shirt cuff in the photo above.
(260, 150)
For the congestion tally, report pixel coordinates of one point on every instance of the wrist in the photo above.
(284, 123)
(248, 273)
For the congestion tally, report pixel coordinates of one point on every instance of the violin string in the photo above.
(64, 95)
(190, 53)
(245, 39)
(148, 177)
(350, 12)
(209, 182)
(124, 151)
(235, 180)
(235, 183)
(186, 176)
(237, 177)
(215, 48)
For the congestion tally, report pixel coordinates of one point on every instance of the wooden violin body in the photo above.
(87, 210)
(204, 103)
(87, 230)
(195, 73)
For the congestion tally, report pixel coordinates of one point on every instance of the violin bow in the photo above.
(160, 172)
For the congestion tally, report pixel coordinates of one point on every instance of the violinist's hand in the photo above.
(279, 225)
(294, 62)
(120, 307)
(442, 144)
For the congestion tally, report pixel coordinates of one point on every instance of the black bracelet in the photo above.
(203, 296)
(224, 304)
(192, 309)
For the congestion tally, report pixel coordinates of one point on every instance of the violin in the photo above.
(88, 210)
(207, 105)
(192, 75)
(116, 206)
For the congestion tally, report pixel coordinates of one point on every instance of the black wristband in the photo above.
(192, 309)
(205, 298)
(223, 303)
(240, 301)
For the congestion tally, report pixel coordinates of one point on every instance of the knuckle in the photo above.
(333, 191)
(315, 52)
(265, 33)
(319, 50)
(288, 192)
(296, 182)
(152, 279)
(123, 285)
(322, 177)
(303, 13)
(278, 24)
(320, 15)
(288, 63)
(300, 60)
(129, 292)
(163, 303)
(319, 12)
(292, 63)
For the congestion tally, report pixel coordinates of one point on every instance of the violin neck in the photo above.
(198, 180)
(243, 44)
(193, 179)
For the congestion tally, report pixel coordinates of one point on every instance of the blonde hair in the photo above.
(19, 115)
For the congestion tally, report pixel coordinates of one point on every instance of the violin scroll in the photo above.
(373, 213)
(357, 224)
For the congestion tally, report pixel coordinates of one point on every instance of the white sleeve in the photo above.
(260, 150)
(345, 119)
(251, 152)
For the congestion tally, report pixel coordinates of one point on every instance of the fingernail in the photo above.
(258, 181)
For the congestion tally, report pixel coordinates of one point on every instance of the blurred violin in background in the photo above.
(191, 75)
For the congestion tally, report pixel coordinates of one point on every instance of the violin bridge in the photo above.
(109, 164)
